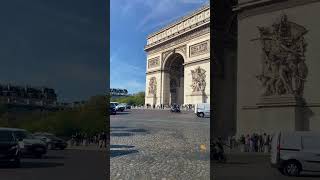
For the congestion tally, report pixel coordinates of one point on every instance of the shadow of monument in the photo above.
(137, 130)
(121, 134)
(117, 153)
(121, 146)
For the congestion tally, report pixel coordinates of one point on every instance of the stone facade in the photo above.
(278, 61)
(178, 61)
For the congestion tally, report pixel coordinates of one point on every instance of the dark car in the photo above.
(30, 146)
(112, 111)
(52, 141)
(10, 153)
(128, 106)
(175, 108)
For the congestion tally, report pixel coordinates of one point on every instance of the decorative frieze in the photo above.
(199, 49)
(182, 49)
(154, 62)
(189, 22)
(181, 39)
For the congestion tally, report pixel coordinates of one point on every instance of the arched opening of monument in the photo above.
(174, 80)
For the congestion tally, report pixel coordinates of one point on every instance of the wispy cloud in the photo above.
(156, 10)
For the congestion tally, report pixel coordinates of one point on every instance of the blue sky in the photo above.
(131, 22)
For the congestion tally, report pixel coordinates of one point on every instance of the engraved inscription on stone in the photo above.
(154, 62)
(199, 49)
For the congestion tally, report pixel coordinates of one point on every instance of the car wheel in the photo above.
(201, 114)
(292, 168)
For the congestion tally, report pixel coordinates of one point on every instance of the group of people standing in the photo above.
(255, 143)
(83, 139)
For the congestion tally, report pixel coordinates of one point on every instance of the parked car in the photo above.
(294, 152)
(120, 107)
(128, 106)
(29, 144)
(112, 111)
(52, 141)
(10, 152)
(202, 110)
(113, 104)
(175, 108)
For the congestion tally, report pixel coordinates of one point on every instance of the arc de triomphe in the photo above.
(178, 61)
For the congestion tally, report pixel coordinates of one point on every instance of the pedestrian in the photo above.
(243, 143)
(247, 145)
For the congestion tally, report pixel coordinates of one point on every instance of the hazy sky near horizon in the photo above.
(55, 43)
(131, 22)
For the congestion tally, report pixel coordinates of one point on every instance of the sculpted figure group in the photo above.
(284, 70)
(198, 80)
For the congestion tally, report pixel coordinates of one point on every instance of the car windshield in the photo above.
(6, 136)
(23, 135)
(113, 104)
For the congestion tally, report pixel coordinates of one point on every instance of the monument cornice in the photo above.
(187, 23)
(180, 39)
(255, 7)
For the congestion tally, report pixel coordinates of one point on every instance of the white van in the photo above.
(293, 152)
(202, 110)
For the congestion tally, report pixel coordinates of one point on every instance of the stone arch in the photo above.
(173, 79)
(166, 55)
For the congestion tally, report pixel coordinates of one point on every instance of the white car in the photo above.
(294, 152)
(202, 110)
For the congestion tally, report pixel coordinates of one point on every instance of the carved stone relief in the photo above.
(152, 86)
(199, 49)
(179, 26)
(182, 49)
(181, 39)
(284, 70)
(154, 62)
(198, 80)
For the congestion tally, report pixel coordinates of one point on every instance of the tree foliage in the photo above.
(136, 99)
(90, 118)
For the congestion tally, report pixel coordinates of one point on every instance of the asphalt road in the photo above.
(252, 167)
(60, 165)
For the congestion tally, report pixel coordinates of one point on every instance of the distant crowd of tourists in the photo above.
(251, 142)
(162, 106)
(83, 139)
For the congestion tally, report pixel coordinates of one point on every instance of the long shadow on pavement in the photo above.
(116, 153)
(121, 146)
(121, 134)
(136, 130)
(118, 127)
